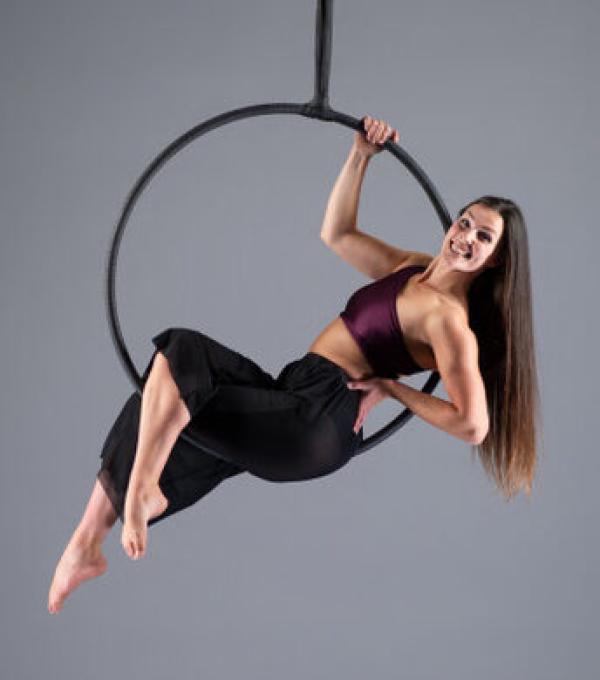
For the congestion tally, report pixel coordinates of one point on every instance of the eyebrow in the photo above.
(483, 226)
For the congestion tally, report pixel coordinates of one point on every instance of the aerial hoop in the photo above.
(317, 108)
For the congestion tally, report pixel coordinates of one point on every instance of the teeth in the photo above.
(464, 253)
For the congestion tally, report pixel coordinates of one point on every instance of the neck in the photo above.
(445, 279)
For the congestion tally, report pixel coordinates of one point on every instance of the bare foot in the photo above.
(141, 504)
(79, 562)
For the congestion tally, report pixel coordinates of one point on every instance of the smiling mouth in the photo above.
(466, 254)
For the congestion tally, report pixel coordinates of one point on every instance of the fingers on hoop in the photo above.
(378, 131)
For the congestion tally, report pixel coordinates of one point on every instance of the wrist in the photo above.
(360, 156)
(388, 386)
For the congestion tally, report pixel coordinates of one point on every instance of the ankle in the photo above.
(88, 539)
(141, 486)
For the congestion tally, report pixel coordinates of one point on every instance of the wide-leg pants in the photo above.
(295, 427)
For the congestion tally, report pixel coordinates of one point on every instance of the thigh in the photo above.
(301, 429)
(258, 429)
(199, 364)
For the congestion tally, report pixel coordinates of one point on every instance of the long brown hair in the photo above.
(501, 316)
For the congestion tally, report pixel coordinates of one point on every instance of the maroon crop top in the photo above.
(370, 316)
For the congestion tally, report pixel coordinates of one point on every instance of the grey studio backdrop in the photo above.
(405, 563)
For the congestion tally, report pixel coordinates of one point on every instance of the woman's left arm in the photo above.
(438, 412)
(457, 358)
(456, 353)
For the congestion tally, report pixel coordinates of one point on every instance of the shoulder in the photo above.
(447, 329)
(456, 357)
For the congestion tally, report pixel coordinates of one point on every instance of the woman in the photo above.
(465, 313)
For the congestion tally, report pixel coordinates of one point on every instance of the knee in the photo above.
(160, 375)
(162, 386)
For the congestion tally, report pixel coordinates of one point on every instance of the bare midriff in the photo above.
(336, 343)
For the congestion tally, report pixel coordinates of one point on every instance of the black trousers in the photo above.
(294, 427)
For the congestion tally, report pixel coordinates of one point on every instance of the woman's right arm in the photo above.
(342, 206)
(339, 231)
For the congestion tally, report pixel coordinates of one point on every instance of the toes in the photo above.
(127, 546)
(138, 547)
(134, 546)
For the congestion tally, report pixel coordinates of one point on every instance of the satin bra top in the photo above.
(370, 316)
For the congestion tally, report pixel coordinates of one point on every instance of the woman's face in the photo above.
(472, 238)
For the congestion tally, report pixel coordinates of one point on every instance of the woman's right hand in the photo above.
(376, 133)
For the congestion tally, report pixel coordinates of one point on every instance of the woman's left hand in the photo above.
(375, 389)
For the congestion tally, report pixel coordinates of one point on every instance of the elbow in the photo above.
(331, 234)
(473, 426)
(476, 433)
(330, 242)
(327, 237)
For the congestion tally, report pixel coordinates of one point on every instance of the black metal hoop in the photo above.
(317, 108)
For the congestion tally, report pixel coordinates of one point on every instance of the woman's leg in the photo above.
(297, 427)
(198, 365)
(82, 558)
(163, 416)
(193, 475)
(250, 420)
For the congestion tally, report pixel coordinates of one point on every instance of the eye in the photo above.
(482, 234)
